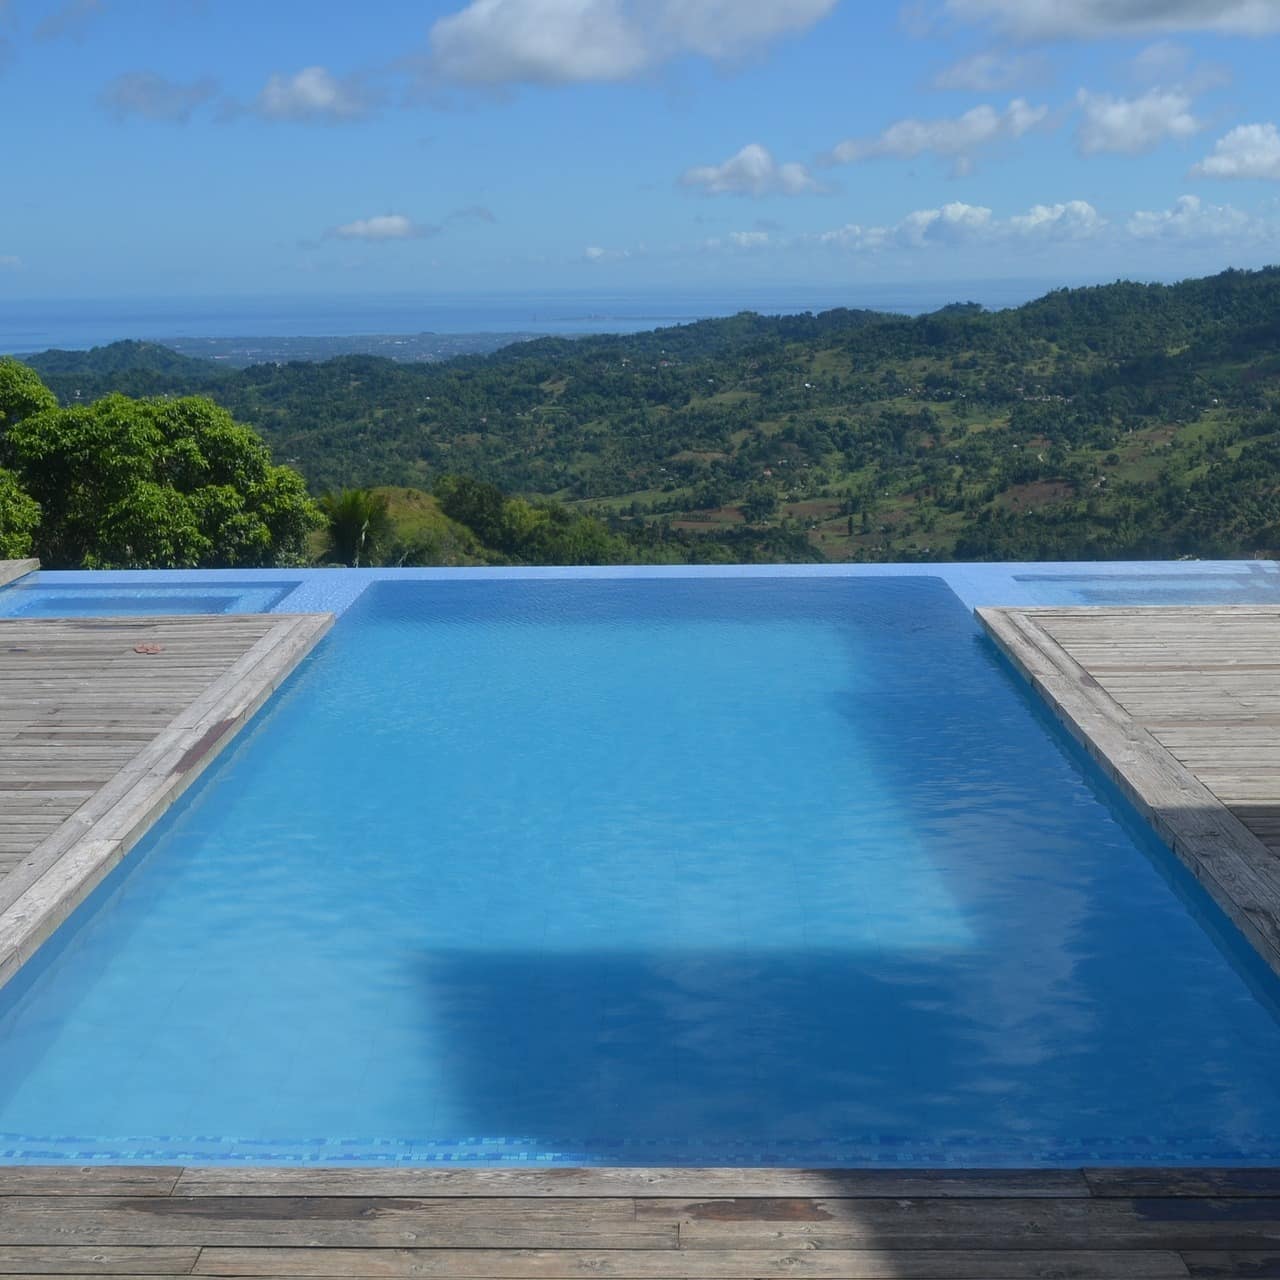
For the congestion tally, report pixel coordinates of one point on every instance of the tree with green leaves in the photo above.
(760, 503)
(19, 516)
(360, 526)
(21, 393)
(143, 484)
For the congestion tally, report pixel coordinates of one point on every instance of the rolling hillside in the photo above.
(1112, 421)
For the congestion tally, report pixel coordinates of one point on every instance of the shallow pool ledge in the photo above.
(1179, 706)
(106, 722)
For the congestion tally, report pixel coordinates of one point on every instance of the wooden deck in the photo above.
(1181, 706)
(646, 1224)
(103, 723)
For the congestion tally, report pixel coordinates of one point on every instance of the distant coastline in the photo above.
(32, 326)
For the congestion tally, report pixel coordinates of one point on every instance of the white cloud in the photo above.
(853, 235)
(1192, 219)
(1248, 151)
(731, 28)
(749, 239)
(387, 226)
(537, 42)
(9, 262)
(594, 253)
(398, 226)
(311, 95)
(952, 138)
(1054, 230)
(990, 72)
(959, 224)
(1074, 220)
(951, 224)
(1090, 19)
(497, 42)
(1132, 126)
(151, 96)
(752, 172)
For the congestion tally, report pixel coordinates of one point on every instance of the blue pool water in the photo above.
(36, 597)
(723, 871)
(1251, 584)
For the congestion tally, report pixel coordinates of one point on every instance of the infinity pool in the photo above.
(37, 598)
(718, 871)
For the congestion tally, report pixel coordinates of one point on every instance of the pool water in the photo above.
(771, 871)
(36, 597)
(1251, 583)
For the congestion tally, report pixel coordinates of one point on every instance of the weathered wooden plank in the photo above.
(1256, 1265)
(88, 1180)
(96, 1260)
(497, 1264)
(1190, 1183)
(717, 1237)
(318, 1222)
(1163, 1222)
(634, 1183)
(719, 1228)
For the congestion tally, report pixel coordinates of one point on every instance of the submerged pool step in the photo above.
(1181, 707)
(103, 724)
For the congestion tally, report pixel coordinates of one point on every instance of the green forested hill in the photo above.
(1112, 421)
(134, 368)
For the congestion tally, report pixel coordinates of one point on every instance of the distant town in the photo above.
(410, 348)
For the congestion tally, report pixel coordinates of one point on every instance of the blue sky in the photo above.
(202, 147)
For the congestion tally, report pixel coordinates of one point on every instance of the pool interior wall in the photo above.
(976, 585)
(466, 893)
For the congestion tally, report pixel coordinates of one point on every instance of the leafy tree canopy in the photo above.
(149, 483)
(21, 393)
(19, 516)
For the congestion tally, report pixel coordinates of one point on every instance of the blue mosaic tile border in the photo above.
(854, 1152)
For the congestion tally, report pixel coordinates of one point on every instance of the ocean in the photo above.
(32, 326)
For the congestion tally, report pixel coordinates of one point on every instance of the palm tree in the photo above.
(360, 525)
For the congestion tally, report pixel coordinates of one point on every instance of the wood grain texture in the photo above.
(642, 1224)
(97, 1260)
(729, 1264)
